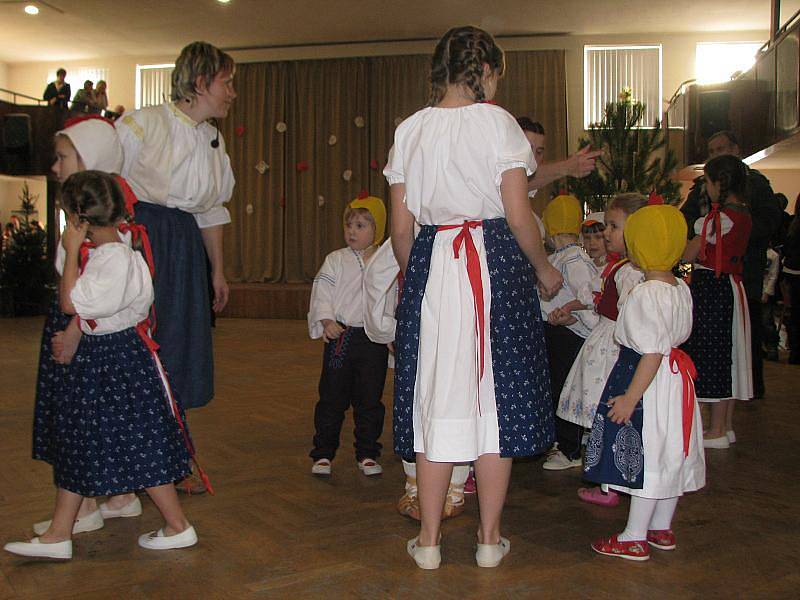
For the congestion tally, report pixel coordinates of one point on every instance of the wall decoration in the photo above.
(280, 127)
(360, 122)
(302, 166)
(262, 167)
(332, 140)
(347, 175)
(239, 130)
(320, 200)
(373, 164)
(249, 209)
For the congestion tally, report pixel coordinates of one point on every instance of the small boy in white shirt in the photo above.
(569, 316)
(353, 367)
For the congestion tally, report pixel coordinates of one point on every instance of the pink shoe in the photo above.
(470, 487)
(596, 496)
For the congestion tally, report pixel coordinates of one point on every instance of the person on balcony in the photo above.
(58, 92)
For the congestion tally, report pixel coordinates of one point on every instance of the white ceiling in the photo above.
(91, 28)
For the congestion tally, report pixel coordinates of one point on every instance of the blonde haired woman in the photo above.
(176, 163)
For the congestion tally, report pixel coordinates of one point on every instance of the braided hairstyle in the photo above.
(95, 197)
(459, 58)
(731, 173)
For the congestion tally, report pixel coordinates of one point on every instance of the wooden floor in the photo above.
(274, 531)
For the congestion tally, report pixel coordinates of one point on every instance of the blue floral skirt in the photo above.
(519, 355)
(111, 429)
(615, 453)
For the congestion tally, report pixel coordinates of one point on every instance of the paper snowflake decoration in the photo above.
(262, 167)
(281, 127)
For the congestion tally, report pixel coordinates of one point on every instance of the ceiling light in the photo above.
(223, 1)
(31, 9)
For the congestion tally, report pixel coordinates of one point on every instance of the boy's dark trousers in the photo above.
(353, 373)
(563, 347)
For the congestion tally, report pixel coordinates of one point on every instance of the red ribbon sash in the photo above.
(680, 362)
(715, 220)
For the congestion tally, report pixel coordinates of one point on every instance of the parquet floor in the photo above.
(273, 531)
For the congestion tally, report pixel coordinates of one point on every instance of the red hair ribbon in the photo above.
(363, 194)
(680, 362)
(475, 281)
(655, 199)
(71, 122)
(715, 220)
(127, 193)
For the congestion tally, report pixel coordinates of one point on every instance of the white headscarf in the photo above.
(97, 143)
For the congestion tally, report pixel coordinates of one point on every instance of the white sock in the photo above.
(662, 515)
(460, 474)
(410, 469)
(639, 517)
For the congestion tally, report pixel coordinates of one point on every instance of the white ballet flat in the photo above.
(719, 443)
(91, 522)
(426, 557)
(490, 555)
(131, 509)
(158, 540)
(38, 549)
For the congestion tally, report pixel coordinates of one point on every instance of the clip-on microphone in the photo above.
(215, 141)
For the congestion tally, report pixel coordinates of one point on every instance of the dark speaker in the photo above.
(16, 131)
(715, 106)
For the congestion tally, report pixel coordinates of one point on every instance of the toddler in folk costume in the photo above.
(353, 367)
(647, 436)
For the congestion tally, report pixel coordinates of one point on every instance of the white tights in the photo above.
(645, 514)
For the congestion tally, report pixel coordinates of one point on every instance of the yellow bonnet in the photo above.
(655, 237)
(563, 215)
(378, 211)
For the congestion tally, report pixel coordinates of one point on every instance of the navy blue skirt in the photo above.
(615, 453)
(51, 381)
(182, 304)
(519, 355)
(112, 430)
(711, 343)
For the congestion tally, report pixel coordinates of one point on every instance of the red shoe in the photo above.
(597, 496)
(470, 487)
(611, 546)
(663, 539)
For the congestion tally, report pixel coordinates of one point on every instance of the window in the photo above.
(76, 77)
(607, 70)
(715, 63)
(153, 84)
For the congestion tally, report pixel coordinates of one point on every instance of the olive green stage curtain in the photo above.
(306, 137)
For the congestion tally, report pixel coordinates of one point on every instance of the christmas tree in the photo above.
(635, 158)
(25, 272)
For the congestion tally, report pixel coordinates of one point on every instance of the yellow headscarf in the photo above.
(377, 210)
(563, 215)
(655, 237)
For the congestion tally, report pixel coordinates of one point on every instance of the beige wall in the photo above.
(3, 77)
(785, 181)
(678, 58)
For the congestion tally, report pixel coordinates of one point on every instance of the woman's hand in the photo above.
(331, 330)
(581, 163)
(221, 291)
(621, 409)
(74, 234)
(550, 280)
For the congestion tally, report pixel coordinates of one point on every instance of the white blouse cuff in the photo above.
(218, 215)
(393, 179)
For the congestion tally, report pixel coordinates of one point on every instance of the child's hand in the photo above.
(621, 409)
(74, 234)
(331, 330)
(390, 346)
(550, 281)
(65, 343)
(561, 317)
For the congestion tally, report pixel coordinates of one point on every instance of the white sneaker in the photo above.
(37, 549)
(558, 461)
(719, 443)
(426, 557)
(321, 468)
(731, 436)
(490, 555)
(158, 540)
(91, 522)
(370, 467)
(132, 509)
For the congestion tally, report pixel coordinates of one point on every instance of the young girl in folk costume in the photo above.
(118, 429)
(593, 239)
(584, 386)
(176, 163)
(647, 437)
(382, 289)
(353, 367)
(720, 340)
(84, 143)
(471, 379)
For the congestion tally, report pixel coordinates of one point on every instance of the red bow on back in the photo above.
(715, 220)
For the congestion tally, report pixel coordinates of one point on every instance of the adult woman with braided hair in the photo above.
(471, 379)
(720, 340)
